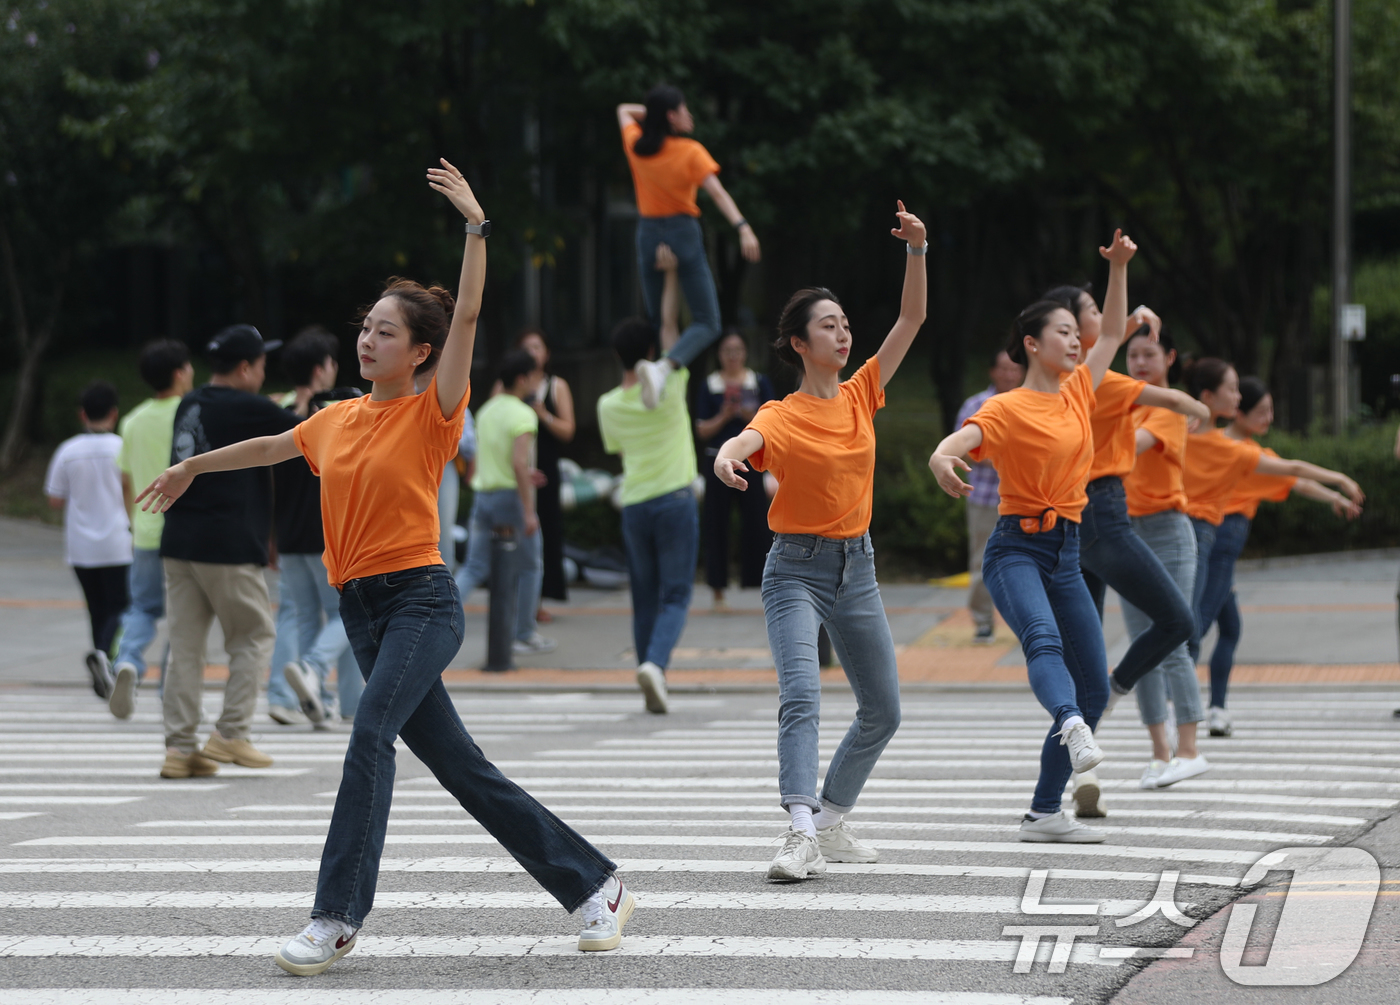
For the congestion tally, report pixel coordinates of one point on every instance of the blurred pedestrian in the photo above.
(84, 481)
(553, 402)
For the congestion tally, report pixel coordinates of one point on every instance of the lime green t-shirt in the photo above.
(498, 423)
(146, 432)
(657, 448)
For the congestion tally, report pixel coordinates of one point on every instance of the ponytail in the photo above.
(656, 126)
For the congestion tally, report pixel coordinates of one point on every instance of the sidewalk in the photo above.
(1316, 620)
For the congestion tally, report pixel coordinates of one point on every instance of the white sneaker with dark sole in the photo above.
(100, 671)
(838, 844)
(1179, 769)
(306, 682)
(604, 914)
(319, 945)
(652, 681)
(1088, 796)
(799, 858)
(122, 701)
(1219, 722)
(1058, 828)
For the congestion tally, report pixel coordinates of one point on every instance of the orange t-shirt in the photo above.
(380, 463)
(667, 181)
(1255, 488)
(1215, 464)
(1041, 445)
(1157, 482)
(822, 451)
(1114, 446)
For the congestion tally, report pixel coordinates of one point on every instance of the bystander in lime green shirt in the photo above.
(498, 423)
(146, 432)
(657, 448)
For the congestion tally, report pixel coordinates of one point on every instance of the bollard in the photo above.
(503, 581)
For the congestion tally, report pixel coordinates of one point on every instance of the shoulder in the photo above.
(866, 380)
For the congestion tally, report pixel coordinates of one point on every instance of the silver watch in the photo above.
(483, 228)
(920, 250)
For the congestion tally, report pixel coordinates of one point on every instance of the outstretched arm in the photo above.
(1341, 505)
(724, 202)
(913, 306)
(1175, 401)
(948, 458)
(1302, 469)
(628, 113)
(455, 368)
(258, 452)
(729, 462)
(1115, 306)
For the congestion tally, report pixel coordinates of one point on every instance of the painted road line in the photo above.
(514, 996)
(18, 816)
(770, 783)
(1273, 770)
(161, 786)
(68, 800)
(225, 771)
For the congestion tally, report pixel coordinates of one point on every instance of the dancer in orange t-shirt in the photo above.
(379, 458)
(1040, 439)
(819, 443)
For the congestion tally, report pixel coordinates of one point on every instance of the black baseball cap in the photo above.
(239, 342)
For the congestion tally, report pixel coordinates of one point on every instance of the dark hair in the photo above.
(307, 351)
(514, 365)
(1252, 391)
(632, 339)
(1031, 321)
(1205, 374)
(792, 323)
(656, 126)
(428, 312)
(97, 400)
(1068, 296)
(1164, 340)
(731, 332)
(160, 361)
(220, 365)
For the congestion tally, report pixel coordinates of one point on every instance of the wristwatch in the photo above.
(483, 228)
(920, 250)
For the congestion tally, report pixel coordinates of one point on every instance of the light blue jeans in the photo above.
(1172, 540)
(304, 594)
(147, 586)
(501, 508)
(662, 535)
(810, 581)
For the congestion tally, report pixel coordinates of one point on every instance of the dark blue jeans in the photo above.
(683, 235)
(662, 536)
(1229, 541)
(405, 627)
(1037, 585)
(1112, 554)
(1222, 658)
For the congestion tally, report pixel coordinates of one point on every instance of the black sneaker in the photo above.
(101, 672)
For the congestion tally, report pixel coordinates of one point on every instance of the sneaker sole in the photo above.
(780, 875)
(123, 700)
(281, 721)
(624, 914)
(312, 969)
(857, 859)
(1164, 783)
(1086, 800)
(226, 758)
(1034, 838)
(1220, 731)
(311, 706)
(655, 699)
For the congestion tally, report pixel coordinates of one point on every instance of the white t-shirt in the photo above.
(84, 472)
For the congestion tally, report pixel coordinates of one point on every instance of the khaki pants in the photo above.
(981, 521)
(196, 593)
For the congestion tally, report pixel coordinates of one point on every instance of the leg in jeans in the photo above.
(238, 595)
(980, 521)
(676, 544)
(527, 603)
(406, 627)
(147, 589)
(191, 614)
(1205, 543)
(298, 624)
(684, 236)
(1121, 559)
(1172, 540)
(496, 508)
(643, 576)
(755, 537)
(1222, 659)
(1230, 538)
(330, 648)
(860, 636)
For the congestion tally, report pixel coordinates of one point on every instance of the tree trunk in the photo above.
(32, 346)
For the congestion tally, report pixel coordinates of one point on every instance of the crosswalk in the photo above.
(118, 887)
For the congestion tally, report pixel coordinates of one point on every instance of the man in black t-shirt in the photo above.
(213, 548)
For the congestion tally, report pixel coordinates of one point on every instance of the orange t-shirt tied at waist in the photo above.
(822, 451)
(1157, 482)
(666, 182)
(1254, 488)
(1115, 448)
(380, 463)
(1215, 464)
(1042, 445)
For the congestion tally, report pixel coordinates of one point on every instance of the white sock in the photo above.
(1071, 721)
(826, 818)
(802, 820)
(1038, 816)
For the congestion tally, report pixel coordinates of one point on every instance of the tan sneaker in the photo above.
(235, 752)
(178, 765)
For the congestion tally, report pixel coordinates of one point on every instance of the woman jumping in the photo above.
(379, 458)
(820, 445)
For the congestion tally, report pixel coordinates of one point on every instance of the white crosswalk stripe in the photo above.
(180, 879)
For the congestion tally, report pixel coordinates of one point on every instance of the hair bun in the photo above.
(443, 297)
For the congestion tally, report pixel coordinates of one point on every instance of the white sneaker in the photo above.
(604, 914)
(1153, 772)
(100, 671)
(652, 376)
(1084, 752)
(653, 684)
(286, 716)
(319, 945)
(1088, 796)
(1179, 769)
(1219, 722)
(1058, 828)
(306, 682)
(799, 858)
(838, 844)
(533, 646)
(123, 698)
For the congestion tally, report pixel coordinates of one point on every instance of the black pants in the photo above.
(551, 514)
(105, 589)
(754, 536)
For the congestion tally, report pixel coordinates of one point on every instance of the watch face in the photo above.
(486, 228)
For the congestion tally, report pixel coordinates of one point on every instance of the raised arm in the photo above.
(913, 306)
(455, 367)
(724, 202)
(731, 457)
(628, 113)
(948, 458)
(1115, 307)
(258, 452)
(1302, 469)
(667, 262)
(1175, 401)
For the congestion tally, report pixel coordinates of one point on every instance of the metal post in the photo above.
(500, 619)
(1341, 206)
